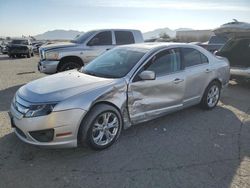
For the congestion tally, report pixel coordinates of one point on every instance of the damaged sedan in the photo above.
(125, 86)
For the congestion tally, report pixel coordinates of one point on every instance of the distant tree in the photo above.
(164, 35)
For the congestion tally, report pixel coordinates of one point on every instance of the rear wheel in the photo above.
(101, 128)
(211, 96)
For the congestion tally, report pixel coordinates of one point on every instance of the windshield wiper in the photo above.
(98, 75)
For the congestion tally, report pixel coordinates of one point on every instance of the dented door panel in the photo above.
(152, 98)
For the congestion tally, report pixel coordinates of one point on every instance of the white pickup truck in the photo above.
(75, 54)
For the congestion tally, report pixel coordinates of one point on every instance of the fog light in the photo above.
(43, 135)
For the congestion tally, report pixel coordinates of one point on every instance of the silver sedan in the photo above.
(125, 86)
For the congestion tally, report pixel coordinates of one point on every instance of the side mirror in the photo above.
(147, 75)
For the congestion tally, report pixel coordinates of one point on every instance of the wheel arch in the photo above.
(88, 112)
(65, 59)
(99, 103)
(213, 80)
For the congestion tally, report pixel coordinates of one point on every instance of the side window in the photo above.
(204, 58)
(101, 39)
(192, 57)
(165, 62)
(124, 37)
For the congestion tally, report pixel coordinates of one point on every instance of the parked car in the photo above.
(125, 86)
(214, 43)
(237, 51)
(3, 47)
(19, 47)
(66, 56)
(36, 45)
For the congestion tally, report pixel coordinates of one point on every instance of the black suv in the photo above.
(19, 47)
(237, 51)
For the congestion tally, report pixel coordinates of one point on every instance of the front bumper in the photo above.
(240, 72)
(64, 124)
(48, 67)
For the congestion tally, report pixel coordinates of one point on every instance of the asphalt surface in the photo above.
(191, 148)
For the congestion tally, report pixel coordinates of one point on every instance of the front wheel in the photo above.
(29, 55)
(211, 96)
(101, 128)
(68, 66)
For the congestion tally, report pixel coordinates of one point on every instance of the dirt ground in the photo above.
(191, 148)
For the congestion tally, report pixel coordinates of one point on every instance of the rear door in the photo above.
(148, 99)
(124, 37)
(198, 74)
(101, 42)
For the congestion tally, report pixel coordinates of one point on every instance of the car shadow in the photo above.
(237, 95)
(6, 57)
(6, 96)
(190, 148)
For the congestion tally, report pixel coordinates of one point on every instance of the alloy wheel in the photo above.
(105, 128)
(213, 96)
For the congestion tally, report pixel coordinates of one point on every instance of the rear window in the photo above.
(193, 57)
(218, 40)
(124, 37)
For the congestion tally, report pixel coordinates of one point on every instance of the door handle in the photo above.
(178, 80)
(108, 49)
(208, 71)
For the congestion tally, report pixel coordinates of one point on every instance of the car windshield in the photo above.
(20, 42)
(115, 63)
(82, 38)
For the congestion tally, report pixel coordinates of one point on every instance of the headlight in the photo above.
(39, 110)
(52, 55)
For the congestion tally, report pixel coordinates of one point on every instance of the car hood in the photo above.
(58, 46)
(61, 86)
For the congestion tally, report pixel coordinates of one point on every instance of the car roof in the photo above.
(100, 30)
(158, 45)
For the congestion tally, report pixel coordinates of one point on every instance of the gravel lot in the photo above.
(190, 148)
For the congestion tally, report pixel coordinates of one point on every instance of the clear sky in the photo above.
(31, 17)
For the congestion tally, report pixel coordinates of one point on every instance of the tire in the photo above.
(32, 54)
(29, 55)
(68, 66)
(92, 131)
(211, 96)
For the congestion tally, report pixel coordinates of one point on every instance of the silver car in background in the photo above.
(125, 86)
(60, 57)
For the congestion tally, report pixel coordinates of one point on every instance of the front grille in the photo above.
(18, 49)
(41, 53)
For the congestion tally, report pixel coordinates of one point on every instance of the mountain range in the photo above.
(58, 34)
(71, 34)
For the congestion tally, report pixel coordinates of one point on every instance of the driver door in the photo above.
(99, 44)
(148, 99)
